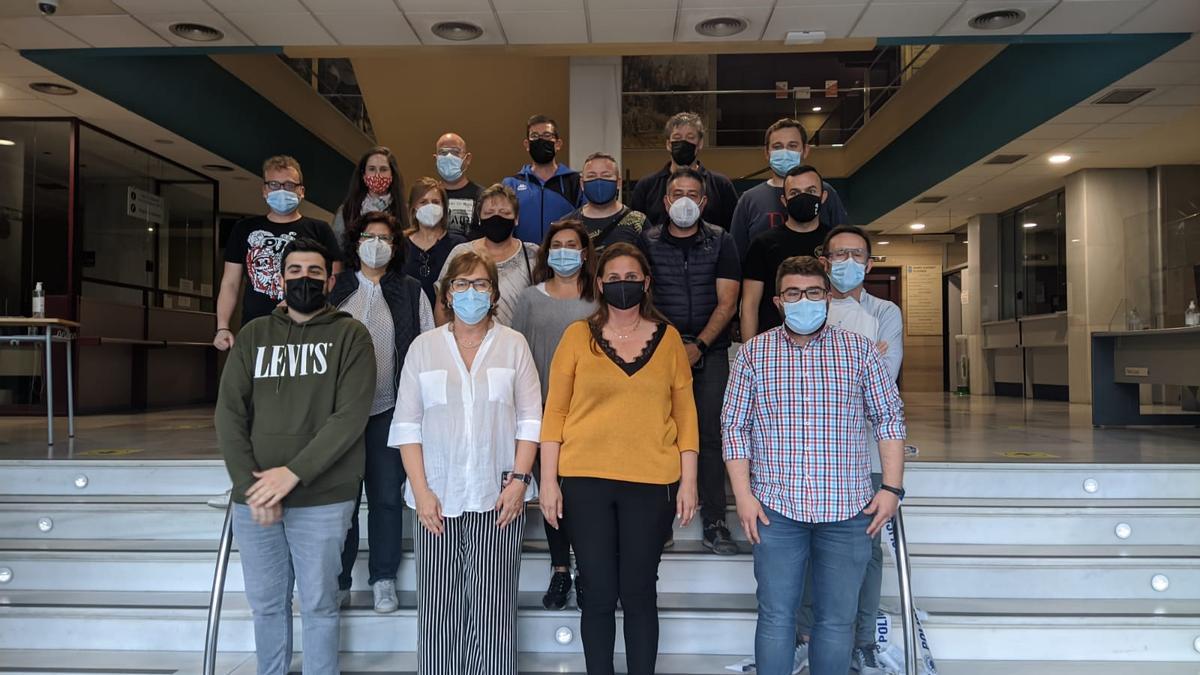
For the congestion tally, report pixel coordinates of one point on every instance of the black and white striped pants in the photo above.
(467, 596)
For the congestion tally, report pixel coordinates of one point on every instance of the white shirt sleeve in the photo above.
(527, 394)
(410, 409)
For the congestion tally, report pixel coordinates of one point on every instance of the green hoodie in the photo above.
(298, 395)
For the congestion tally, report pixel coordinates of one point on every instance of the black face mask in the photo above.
(542, 151)
(497, 228)
(624, 294)
(803, 208)
(305, 295)
(683, 153)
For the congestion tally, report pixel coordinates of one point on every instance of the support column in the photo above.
(981, 282)
(595, 108)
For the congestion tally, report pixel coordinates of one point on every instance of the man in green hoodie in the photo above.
(293, 404)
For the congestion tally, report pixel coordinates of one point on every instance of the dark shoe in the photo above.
(578, 592)
(670, 539)
(865, 660)
(717, 539)
(556, 594)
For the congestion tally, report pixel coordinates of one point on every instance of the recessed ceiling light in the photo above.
(722, 26)
(997, 20)
(882, 243)
(5, 141)
(974, 198)
(816, 108)
(1059, 159)
(965, 242)
(196, 32)
(1074, 241)
(917, 226)
(1029, 225)
(838, 145)
(223, 168)
(53, 89)
(457, 31)
(164, 141)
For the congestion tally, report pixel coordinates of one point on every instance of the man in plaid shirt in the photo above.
(794, 429)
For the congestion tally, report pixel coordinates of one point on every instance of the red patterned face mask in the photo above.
(378, 183)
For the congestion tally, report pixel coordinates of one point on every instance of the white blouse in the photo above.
(467, 422)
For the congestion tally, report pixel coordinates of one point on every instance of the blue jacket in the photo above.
(543, 203)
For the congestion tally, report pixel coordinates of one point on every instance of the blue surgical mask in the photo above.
(565, 261)
(805, 316)
(847, 275)
(600, 190)
(784, 160)
(471, 306)
(283, 202)
(449, 167)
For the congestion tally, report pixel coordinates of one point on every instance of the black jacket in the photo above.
(685, 277)
(403, 296)
(648, 196)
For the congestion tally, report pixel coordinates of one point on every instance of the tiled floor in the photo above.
(946, 428)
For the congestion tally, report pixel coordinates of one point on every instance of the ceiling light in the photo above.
(917, 226)
(195, 32)
(816, 108)
(1059, 159)
(456, 31)
(838, 145)
(882, 243)
(53, 89)
(1029, 225)
(804, 37)
(997, 20)
(722, 26)
(223, 168)
(5, 141)
(1074, 241)
(974, 198)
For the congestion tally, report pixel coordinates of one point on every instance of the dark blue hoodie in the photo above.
(543, 203)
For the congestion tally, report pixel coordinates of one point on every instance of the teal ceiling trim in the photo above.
(194, 97)
(1019, 89)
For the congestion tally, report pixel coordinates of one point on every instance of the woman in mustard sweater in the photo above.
(619, 442)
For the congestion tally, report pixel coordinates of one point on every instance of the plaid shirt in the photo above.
(799, 415)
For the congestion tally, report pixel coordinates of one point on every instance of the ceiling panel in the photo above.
(282, 28)
(110, 31)
(1186, 95)
(1188, 51)
(649, 25)
(1152, 114)
(161, 24)
(423, 23)
(163, 6)
(595, 6)
(1034, 10)
(835, 20)
(36, 33)
(14, 92)
(503, 6)
(1114, 130)
(685, 30)
(1087, 114)
(258, 6)
(15, 65)
(1164, 16)
(30, 108)
(1087, 16)
(352, 6)
(445, 6)
(727, 5)
(544, 27)
(369, 29)
(1056, 132)
(1160, 73)
(893, 19)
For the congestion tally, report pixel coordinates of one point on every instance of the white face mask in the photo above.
(684, 212)
(429, 215)
(375, 253)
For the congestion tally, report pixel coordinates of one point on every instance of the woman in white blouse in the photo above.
(467, 422)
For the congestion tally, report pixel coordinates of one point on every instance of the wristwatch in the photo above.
(702, 346)
(899, 492)
(507, 476)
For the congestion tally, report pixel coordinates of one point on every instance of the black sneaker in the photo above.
(556, 594)
(717, 539)
(578, 592)
(865, 660)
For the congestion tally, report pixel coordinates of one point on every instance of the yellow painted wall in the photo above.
(484, 96)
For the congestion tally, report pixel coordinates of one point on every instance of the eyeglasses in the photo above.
(545, 136)
(815, 293)
(481, 285)
(285, 185)
(840, 254)
(367, 236)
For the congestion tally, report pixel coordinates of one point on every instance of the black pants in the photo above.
(618, 529)
(708, 386)
(384, 477)
(556, 539)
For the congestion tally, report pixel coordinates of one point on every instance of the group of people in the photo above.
(460, 351)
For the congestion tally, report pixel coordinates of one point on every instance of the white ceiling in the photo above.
(145, 23)
(1162, 127)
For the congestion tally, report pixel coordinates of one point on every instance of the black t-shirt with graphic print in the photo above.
(257, 243)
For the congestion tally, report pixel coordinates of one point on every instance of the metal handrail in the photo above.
(908, 614)
(218, 592)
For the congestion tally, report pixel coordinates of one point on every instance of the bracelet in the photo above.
(223, 329)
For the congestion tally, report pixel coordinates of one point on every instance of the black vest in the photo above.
(403, 296)
(685, 278)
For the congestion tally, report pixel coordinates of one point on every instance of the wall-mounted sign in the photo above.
(923, 299)
(144, 206)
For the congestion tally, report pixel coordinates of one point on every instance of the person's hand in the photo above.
(223, 340)
(510, 503)
(881, 347)
(429, 511)
(693, 353)
(685, 503)
(271, 487)
(883, 506)
(750, 514)
(551, 502)
(267, 515)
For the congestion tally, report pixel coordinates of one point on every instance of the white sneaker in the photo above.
(385, 596)
(800, 661)
(220, 501)
(343, 598)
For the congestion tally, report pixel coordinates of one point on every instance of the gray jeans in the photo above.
(304, 547)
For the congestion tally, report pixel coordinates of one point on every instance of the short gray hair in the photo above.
(684, 119)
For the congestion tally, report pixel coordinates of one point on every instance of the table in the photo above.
(52, 330)
(1122, 360)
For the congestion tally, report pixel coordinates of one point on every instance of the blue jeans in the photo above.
(305, 547)
(384, 478)
(839, 553)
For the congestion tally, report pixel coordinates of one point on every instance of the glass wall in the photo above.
(1033, 258)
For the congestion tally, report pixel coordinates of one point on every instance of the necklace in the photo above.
(465, 345)
(628, 329)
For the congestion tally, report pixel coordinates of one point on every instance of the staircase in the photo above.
(105, 567)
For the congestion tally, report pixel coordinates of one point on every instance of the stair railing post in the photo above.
(218, 592)
(912, 654)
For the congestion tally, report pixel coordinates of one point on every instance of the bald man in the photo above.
(453, 160)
